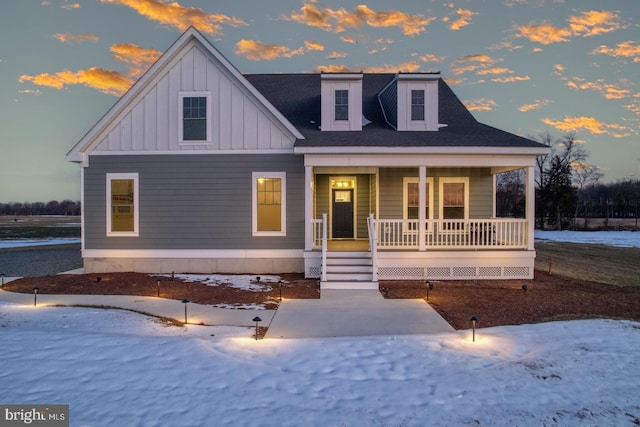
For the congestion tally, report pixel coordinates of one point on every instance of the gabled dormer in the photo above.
(410, 102)
(341, 101)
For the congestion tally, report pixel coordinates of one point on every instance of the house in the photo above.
(347, 177)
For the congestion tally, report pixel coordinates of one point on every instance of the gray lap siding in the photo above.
(197, 201)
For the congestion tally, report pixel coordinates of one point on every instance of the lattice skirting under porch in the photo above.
(453, 273)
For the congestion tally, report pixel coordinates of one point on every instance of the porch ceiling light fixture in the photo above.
(185, 302)
(474, 320)
(35, 296)
(257, 320)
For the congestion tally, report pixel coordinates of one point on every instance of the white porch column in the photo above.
(422, 208)
(530, 205)
(308, 207)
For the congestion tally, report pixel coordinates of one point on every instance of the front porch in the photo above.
(413, 223)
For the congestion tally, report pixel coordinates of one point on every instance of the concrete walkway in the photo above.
(338, 313)
(344, 313)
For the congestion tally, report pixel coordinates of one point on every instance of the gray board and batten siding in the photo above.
(199, 201)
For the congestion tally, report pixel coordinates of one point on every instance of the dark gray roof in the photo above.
(297, 97)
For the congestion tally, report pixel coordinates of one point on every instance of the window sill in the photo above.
(269, 234)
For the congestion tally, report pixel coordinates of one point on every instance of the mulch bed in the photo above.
(495, 303)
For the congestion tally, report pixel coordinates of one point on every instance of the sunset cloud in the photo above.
(178, 16)
(335, 55)
(511, 79)
(258, 51)
(76, 38)
(495, 70)
(332, 69)
(339, 19)
(137, 58)
(70, 6)
(482, 104)
(539, 103)
(608, 90)
(544, 33)
(588, 23)
(594, 22)
(464, 19)
(106, 81)
(407, 67)
(590, 124)
(628, 49)
(472, 62)
(431, 58)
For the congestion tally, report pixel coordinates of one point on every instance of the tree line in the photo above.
(568, 190)
(54, 207)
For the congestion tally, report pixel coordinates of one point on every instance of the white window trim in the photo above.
(136, 205)
(254, 203)
(410, 106)
(453, 180)
(181, 96)
(405, 196)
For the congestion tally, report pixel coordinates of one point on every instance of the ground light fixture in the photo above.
(525, 288)
(2, 283)
(474, 320)
(280, 289)
(257, 320)
(35, 296)
(429, 288)
(98, 279)
(185, 302)
(258, 279)
(158, 285)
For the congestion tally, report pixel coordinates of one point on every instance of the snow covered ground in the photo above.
(119, 368)
(629, 239)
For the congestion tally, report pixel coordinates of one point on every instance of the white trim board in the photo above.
(193, 253)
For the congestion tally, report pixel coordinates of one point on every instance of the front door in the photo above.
(342, 222)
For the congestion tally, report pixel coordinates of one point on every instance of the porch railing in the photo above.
(500, 233)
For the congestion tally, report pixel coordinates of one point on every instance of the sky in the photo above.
(529, 67)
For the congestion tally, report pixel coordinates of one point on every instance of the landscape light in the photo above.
(98, 279)
(185, 301)
(35, 296)
(258, 279)
(525, 287)
(2, 276)
(257, 320)
(474, 320)
(158, 285)
(280, 288)
(429, 288)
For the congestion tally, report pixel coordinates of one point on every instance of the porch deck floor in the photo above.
(345, 313)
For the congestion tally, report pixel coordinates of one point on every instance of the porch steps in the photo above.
(349, 270)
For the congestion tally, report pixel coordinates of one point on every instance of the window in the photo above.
(342, 104)
(417, 105)
(269, 207)
(412, 203)
(122, 204)
(454, 198)
(195, 117)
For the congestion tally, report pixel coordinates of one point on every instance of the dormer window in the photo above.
(341, 105)
(417, 105)
(341, 101)
(410, 102)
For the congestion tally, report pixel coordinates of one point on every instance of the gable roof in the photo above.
(190, 37)
(297, 96)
